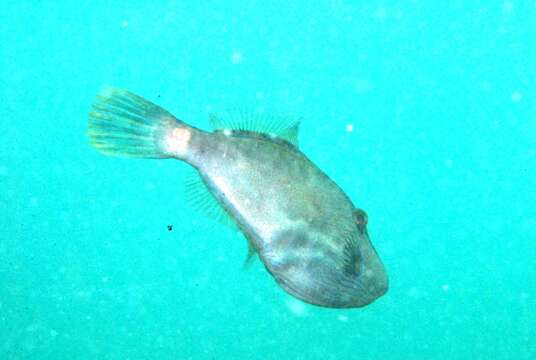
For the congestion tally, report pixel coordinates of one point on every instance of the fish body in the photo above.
(304, 228)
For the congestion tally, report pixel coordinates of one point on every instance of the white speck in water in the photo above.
(380, 13)
(227, 132)
(363, 86)
(350, 127)
(32, 327)
(342, 318)
(415, 293)
(53, 333)
(296, 307)
(236, 57)
(516, 96)
(124, 24)
(445, 287)
(508, 6)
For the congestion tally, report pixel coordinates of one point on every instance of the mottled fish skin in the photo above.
(306, 231)
(299, 221)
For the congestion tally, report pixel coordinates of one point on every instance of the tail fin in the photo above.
(124, 124)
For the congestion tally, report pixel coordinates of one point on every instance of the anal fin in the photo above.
(250, 256)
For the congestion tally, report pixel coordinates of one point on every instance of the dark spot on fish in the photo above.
(352, 259)
(291, 239)
(170, 227)
(287, 264)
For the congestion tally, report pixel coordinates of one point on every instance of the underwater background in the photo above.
(423, 112)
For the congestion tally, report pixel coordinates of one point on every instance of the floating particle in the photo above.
(32, 327)
(508, 6)
(516, 96)
(380, 13)
(415, 293)
(236, 57)
(363, 86)
(296, 307)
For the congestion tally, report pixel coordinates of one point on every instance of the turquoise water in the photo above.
(423, 112)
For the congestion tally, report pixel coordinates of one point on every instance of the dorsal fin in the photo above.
(244, 120)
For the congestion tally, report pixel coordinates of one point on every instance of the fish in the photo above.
(251, 175)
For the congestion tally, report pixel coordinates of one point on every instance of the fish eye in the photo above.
(361, 218)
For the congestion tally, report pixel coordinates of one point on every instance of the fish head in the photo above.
(328, 272)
